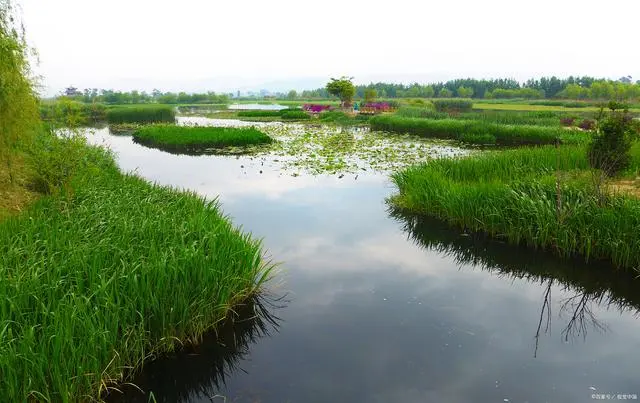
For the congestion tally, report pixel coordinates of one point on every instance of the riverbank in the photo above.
(544, 198)
(109, 272)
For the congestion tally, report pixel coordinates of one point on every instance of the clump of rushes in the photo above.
(295, 115)
(72, 113)
(141, 114)
(477, 131)
(195, 138)
(98, 280)
(259, 114)
(289, 113)
(515, 195)
(534, 118)
(452, 105)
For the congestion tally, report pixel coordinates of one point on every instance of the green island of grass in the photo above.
(194, 138)
(478, 131)
(543, 197)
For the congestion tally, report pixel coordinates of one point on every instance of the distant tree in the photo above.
(343, 88)
(464, 92)
(370, 95)
(428, 91)
(445, 93)
(292, 94)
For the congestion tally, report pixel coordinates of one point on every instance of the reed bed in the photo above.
(478, 132)
(533, 118)
(514, 195)
(289, 114)
(259, 114)
(452, 105)
(295, 115)
(101, 278)
(73, 112)
(172, 137)
(141, 114)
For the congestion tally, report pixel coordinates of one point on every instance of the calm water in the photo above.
(373, 306)
(266, 107)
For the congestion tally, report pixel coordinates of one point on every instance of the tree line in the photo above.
(545, 87)
(94, 95)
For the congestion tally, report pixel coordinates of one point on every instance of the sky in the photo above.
(224, 46)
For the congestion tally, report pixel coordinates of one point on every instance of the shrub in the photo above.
(452, 105)
(610, 148)
(141, 114)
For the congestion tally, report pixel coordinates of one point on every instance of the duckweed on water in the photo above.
(339, 150)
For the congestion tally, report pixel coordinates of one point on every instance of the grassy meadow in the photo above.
(193, 138)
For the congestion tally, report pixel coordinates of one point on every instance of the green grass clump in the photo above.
(172, 137)
(533, 118)
(73, 113)
(258, 114)
(452, 105)
(98, 279)
(141, 114)
(295, 115)
(477, 131)
(513, 195)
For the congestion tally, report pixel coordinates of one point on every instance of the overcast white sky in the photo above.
(199, 45)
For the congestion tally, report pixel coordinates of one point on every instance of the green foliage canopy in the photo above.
(343, 88)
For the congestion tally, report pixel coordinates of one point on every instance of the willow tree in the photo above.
(19, 117)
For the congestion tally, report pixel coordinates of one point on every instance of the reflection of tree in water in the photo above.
(591, 284)
(201, 371)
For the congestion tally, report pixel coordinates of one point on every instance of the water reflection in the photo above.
(264, 107)
(199, 372)
(588, 285)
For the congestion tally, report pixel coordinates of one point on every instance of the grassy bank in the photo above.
(533, 118)
(515, 195)
(73, 113)
(141, 114)
(477, 131)
(109, 273)
(176, 138)
(537, 107)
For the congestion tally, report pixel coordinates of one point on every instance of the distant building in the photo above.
(72, 91)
